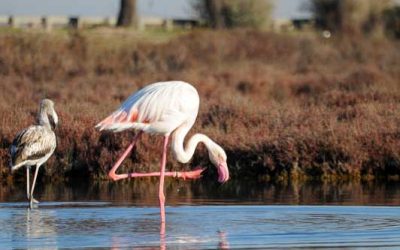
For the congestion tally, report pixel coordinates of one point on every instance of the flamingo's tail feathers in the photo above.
(104, 123)
(119, 119)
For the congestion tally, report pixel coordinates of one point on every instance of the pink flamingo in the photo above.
(165, 108)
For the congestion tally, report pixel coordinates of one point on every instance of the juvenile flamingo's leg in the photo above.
(31, 199)
(28, 168)
(161, 195)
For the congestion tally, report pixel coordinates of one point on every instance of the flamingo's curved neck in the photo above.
(182, 154)
(43, 119)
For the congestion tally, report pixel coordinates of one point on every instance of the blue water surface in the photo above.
(105, 224)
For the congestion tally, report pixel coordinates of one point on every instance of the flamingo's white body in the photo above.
(165, 108)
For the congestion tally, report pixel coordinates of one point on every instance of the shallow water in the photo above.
(203, 216)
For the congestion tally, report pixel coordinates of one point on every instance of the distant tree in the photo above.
(212, 10)
(326, 14)
(221, 14)
(349, 16)
(127, 13)
(392, 21)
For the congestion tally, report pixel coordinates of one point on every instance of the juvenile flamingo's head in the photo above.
(47, 108)
(218, 158)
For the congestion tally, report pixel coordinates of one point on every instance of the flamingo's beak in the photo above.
(223, 172)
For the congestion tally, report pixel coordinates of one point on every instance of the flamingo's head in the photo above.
(218, 158)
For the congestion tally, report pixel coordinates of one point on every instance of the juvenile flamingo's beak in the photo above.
(223, 172)
(53, 119)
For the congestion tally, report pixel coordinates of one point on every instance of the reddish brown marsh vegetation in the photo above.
(281, 105)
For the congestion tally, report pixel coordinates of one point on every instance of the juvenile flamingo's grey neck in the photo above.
(43, 119)
(182, 154)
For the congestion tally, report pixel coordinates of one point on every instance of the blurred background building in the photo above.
(48, 14)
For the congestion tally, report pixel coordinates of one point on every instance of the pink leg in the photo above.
(161, 195)
(112, 173)
(195, 174)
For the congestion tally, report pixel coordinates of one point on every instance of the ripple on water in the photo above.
(99, 224)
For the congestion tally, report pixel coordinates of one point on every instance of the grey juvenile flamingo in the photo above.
(34, 145)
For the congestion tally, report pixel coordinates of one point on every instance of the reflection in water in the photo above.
(118, 243)
(223, 242)
(30, 226)
(40, 224)
(163, 242)
(144, 192)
